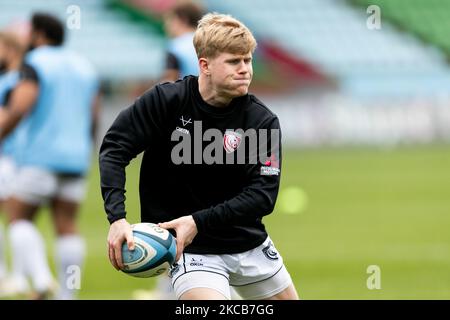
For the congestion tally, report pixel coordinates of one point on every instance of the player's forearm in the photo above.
(114, 158)
(112, 182)
(129, 135)
(22, 100)
(8, 121)
(116, 152)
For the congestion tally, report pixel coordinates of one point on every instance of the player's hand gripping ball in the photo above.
(154, 253)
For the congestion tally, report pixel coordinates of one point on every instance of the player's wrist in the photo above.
(197, 222)
(193, 224)
(115, 218)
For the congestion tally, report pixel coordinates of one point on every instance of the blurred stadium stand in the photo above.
(391, 87)
(333, 36)
(329, 77)
(428, 19)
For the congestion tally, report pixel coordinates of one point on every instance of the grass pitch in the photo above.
(359, 207)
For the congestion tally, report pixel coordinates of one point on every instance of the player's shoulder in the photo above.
(28, 72)
(79, 61)
(177, 90)
(258, 109)
(43, 53)
(167, 94)
(182, 42)
(178, 85)
(44, 56)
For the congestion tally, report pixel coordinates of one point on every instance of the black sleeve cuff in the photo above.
(199, 220)
(112, 218)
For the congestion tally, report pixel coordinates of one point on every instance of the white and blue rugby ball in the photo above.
(154, 253)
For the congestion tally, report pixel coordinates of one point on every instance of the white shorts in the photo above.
(255, 274)
(37, 186)
(8, 172)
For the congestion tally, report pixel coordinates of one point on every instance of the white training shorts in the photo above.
(37, 186)
(255, 274)
(8, 172)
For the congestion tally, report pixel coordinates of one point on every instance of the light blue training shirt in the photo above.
(183, 49)
(58, 135)
(8, 82)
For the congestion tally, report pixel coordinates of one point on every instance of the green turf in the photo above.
(385, 208)
(389, 208)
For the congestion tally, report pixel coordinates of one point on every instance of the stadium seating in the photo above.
(333, 36)
(363, 62)
(429, 19)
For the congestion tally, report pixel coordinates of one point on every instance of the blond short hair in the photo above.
(218, 33)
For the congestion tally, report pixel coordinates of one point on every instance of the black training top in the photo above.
(227, 201)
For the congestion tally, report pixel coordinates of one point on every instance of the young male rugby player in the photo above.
(214, 205)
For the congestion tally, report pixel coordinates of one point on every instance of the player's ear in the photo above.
(203, 65)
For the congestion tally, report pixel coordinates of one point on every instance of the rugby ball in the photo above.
(154, 253)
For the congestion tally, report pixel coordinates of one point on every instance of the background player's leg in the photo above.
(162, 291)
(7, 285)
(7, 175)
(70, 247)
(3, 268)
(27, 246)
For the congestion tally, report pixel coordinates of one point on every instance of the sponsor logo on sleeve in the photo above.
(271, 167)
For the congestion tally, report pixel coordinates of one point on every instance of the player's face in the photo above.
(231, 74)
(33, 40)
(170, 25)
(3, 49)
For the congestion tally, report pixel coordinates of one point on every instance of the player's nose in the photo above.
(243, 67)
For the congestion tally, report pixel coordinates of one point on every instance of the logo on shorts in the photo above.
(270, 252)
(174, 270)
(196, 263)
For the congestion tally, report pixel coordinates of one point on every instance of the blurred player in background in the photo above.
(180, 24)
(54, 156)
(17, 87)
(216, 210)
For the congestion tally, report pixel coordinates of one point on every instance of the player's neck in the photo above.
(15, 63)
(210, 95)
(183, 30)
